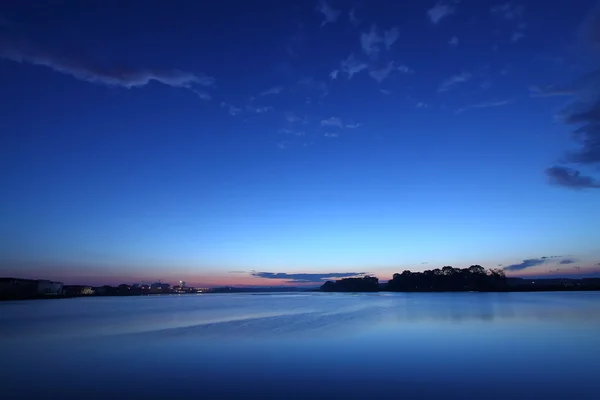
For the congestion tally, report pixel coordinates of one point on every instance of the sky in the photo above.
(287, 142)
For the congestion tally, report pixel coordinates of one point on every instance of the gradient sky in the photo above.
(248, 143)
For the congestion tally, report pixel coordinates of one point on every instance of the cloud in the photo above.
(403, 69)
(517, 36)
(420, 104)
(85, 71)
(259, 110)
(352, 17)
(331, 134)
(385, 91)
(583, 111)
(390, 36)
(352, 66)
(454, 41)
(439, 12)
(307, 278)
(372, 40)
(567, 261)
(508, 11)
(330, 14)
(236, 272)
(381, 74)
(293, 118)
(485, 104)
(291, 132)
(525, 264)
(334, 74)
(571, 178)
(333, 121)
(550, 91)
(272, 91)
(514, 14)
(231, 109)
(338, 123)
(202, 94)
(312, 87)
(453, 81)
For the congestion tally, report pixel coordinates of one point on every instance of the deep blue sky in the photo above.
(191, 139)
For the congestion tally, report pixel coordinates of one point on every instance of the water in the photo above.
(305, 345)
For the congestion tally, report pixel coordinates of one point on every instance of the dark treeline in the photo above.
(365, 284)
(450, 279)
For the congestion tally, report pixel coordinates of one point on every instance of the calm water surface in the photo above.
(305, 345)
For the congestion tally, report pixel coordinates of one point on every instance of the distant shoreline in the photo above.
(512, 290)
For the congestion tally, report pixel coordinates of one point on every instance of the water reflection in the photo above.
(446, 345)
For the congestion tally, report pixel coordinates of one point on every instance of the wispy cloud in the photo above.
(390, 36)
(514, 14)
(291, 132)
(259, 110)
(305, 277)
(439, 12)
(333, 121)
(352, 17)
(385, 91)
(272, 91)
(231, 109)
(126, 78)
(293, 118)
(331, 134)
(532, 262)
(508, 11)
(330, 14)
(453, 41)
(382, 73)
(334, 74)
(550, 91)
(311, 87)
(420, 104)
(338, 123)
(571, 178)
(485, 104)
(517, 36)
(403, 69)
(567, 261)
(352, 66)
(453, 81)
(372, 41)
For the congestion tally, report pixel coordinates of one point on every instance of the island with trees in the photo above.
(450, 279)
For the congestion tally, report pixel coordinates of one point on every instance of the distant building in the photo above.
(49, 288)
(15, 288)
(160, 287)
(78, 290)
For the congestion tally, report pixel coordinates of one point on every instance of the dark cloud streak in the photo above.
(112, 77)
(571, 178)
(532, 262)
(306, 278)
